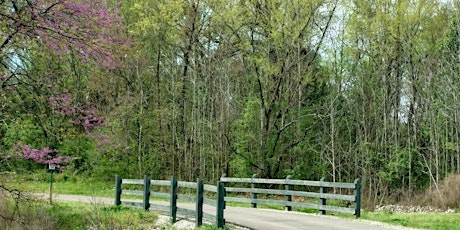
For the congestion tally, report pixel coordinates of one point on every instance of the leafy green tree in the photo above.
(44, 47)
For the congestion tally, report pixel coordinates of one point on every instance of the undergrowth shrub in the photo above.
(447, 194)
(20, 211)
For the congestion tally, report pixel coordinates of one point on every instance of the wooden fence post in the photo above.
(253, 194)
(358, 198)
(288, 187)
(199, 203)
(173, 201)
(117, 190)
(322, 201)
(146, 192)
(220, 221)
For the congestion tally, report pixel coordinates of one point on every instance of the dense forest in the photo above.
(341, 89)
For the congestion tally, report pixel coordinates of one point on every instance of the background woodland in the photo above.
(341, 89)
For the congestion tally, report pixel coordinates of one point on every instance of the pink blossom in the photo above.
(90, 28)
(84, 116)
(41, 156)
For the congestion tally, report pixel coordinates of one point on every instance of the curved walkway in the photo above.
(262, 219)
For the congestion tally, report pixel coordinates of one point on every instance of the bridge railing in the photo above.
(221, 194)
(254, 184)
(174, 195)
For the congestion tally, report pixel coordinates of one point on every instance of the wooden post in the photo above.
(357, 198)
(253, 194)
(220, 221)
(288, 187)
(173, 201)
(51, 186)
(146, 192)
(322, 201)
(199, 203)
(117, 190)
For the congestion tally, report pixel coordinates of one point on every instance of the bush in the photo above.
(20, 211)
(447, 195)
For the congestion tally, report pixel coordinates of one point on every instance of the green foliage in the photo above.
(240, 167)
(307, 169)
(25, 130)
(244, 136)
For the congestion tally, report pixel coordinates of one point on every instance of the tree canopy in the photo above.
(197, 88)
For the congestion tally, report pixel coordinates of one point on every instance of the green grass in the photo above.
(436, 221)
(62, 184)
(71, 215)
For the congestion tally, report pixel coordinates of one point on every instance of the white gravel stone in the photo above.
(184, 224)
(419, 209)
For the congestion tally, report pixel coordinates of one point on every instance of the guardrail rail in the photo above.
(225, 187)
(288, 191)
(174, 186)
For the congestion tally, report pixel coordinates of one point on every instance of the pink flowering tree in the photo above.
(79, 121)
(90, 29)
(91, 32)
(84, 117)
(42, 156)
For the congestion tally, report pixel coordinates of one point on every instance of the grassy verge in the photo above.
(416, 220)
(62, 184)
(25, 213)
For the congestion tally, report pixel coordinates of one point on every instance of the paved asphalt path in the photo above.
(260, 219)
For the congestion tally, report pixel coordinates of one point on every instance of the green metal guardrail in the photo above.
(223, 190)
(289, 192)
(173, 196)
